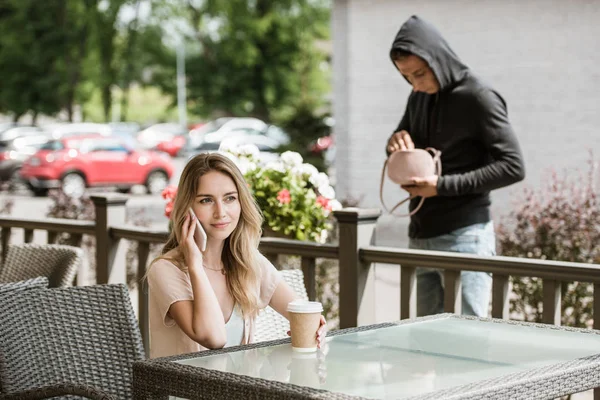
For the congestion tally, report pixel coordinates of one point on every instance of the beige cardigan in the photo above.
(168, 284)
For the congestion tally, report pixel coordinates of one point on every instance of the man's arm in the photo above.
(499, 138)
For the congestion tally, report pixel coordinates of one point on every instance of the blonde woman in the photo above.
(209, 299)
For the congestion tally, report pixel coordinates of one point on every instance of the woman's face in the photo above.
(217, 205)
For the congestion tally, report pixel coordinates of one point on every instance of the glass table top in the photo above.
(410, 359)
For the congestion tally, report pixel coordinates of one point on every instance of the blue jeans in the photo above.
(476, 286)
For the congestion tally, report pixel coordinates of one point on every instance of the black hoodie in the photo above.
(468, 122)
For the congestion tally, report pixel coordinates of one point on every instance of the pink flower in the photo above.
(284, 196)
(169, 209)
(324, 202)
(169, 193)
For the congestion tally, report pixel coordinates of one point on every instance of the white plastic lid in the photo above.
(305, 307)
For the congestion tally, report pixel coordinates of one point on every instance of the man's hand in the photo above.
(400, 141)
(423, 187)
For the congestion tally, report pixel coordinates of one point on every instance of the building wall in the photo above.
(543, 56)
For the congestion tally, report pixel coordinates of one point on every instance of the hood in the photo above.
(422, 39)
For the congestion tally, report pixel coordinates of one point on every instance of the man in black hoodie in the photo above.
(453, 111)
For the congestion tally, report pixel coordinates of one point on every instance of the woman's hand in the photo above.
(321, 332)
(191, 252)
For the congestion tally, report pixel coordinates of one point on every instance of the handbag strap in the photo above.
(437, 159)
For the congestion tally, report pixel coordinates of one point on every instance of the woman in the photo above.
(209, 299)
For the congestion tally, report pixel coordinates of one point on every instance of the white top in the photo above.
(235, 328)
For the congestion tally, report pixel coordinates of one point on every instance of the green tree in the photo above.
(104, 17)
(255, 58)
(30, 48)
(41, 54)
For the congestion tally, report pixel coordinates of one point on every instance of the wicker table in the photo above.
(439, 357)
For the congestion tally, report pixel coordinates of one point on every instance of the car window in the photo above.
(29, 141)
(278, 134)
(106, 145)
(207, 128)
(247, 131)
(53, 145)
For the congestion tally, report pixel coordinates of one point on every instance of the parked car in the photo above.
(14, 152)
(60, 130)
(174, 145)
(127, 132)
(150, 137)
(239, 130)
(75, 163)
(324, 145)
(19, 131)
(7, 125)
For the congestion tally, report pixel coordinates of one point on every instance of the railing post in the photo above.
(274, 259)
(357, 300)
(52, 237)
(5, 239)
(452, 292)
(551, 311)
(596, 307)
(110, 210)
(500, 303)
(309, 266)
(28, 235)
(408, 291)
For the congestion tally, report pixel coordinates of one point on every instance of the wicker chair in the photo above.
(270, 325)
(59, 263)
(79, 341)
(23, 286)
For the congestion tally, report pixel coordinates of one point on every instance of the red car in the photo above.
(173, 146)
(77, 162)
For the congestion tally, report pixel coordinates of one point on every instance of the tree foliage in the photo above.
(257, 57)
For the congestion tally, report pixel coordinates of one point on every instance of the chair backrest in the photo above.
(270, 325)
(81, 335)
(59, 263)
(22, 286)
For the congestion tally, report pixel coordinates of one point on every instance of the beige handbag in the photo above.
(403, 165)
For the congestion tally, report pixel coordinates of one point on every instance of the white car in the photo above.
(241, 130)
(61, 130)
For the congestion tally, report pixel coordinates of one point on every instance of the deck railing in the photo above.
(354, 251)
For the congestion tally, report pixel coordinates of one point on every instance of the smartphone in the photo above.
(199, 234)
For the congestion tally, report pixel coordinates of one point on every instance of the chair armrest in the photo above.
(60, 389)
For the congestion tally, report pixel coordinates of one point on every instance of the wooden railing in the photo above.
(355, 253)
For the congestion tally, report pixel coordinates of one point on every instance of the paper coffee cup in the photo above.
(305, 319)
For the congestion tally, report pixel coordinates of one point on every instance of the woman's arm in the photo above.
(201, 319)
(282, 296)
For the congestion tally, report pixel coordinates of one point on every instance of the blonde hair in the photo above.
(240, 254)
